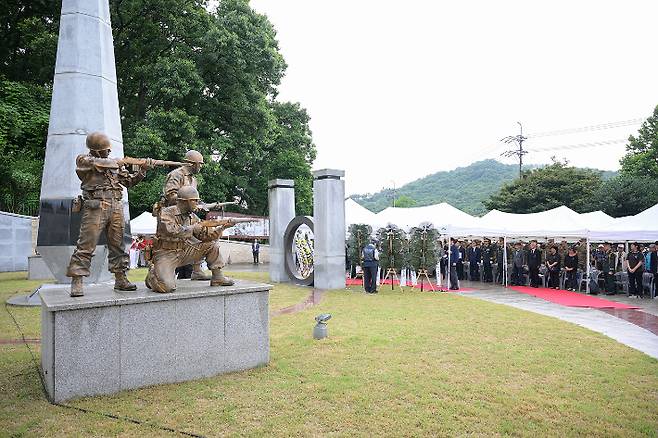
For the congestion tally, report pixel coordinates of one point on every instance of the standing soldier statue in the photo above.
(103, 180)
(183, 239)
(184, 176)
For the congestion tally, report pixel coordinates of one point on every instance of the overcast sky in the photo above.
(399, 90)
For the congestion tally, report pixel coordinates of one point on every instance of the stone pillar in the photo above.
(281, 198)
(84, 100)
(329, 232)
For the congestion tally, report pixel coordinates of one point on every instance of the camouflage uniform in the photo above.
(178, 244)
(102, 185)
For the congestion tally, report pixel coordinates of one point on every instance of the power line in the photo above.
(518, 139)
(609, 125)
(579, 145)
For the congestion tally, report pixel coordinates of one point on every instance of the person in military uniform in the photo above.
(488, 253)
(177, 178)
(182, 240)
(103, 180)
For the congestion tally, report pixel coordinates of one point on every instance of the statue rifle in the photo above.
(150, 162)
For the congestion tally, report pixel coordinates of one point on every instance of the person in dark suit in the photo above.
(488, 255)
(534, 261)
(370, 263)
(474, 255)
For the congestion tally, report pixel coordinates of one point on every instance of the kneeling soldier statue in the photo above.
(103, 180)
(182, 239)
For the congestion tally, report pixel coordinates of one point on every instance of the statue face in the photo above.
(196, 168)
(187, 205)
(102, 153)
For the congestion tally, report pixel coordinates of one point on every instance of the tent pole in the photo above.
(449, 267)
(587, 261)
(504, 271)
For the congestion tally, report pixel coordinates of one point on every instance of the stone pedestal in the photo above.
(37, 269)
(281, 199)
(329, 231)
(84, 100)
(107, 341)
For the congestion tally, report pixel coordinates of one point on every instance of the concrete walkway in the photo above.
(599, 321)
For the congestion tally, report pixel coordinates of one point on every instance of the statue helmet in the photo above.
(194, 157)
(187, 193)
(97, 141)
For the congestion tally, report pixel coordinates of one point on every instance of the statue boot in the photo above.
(76, 287)
(218, 279)
(198, 274)
(121, 282)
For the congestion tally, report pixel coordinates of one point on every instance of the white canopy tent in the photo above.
(641, 227)
(440, 215)
(357, 214)
(145, 223)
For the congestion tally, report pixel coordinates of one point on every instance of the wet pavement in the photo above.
(635, 328)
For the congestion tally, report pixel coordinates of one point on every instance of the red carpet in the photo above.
(571, 299)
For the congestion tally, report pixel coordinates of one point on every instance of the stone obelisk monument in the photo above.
(84, 100)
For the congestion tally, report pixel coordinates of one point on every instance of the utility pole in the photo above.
(518, 139)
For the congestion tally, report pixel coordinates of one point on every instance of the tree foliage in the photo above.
(641, 159)
(188, 78)
(549, 187)
(627, 195)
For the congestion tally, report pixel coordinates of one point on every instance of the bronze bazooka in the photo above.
(102, 182)
(184, 176)
(183, 239)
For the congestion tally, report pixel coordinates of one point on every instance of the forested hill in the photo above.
(465, 188)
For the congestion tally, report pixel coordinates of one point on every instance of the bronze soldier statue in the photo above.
(103, 180)
(184, 176)
(183, 239)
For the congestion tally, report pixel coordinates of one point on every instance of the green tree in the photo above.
(549, 187)
(24, 110)
(188, 78)
(404, 201)
(641, 159)
(627, 195)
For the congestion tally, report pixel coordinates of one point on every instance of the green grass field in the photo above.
(395, 364)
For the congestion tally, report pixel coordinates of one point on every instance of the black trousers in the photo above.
(608, 281)
(255, 254)
(517, 275)
(488, 272)
(553, 279)
(635, 282)
(460, 270)
(474, 271)
(454, 280)
(570, 282)
(370, 278)
(534, 276)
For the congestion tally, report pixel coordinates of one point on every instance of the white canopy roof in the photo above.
(440, 215)
(357, 214)
(643, 226)
(145, 223)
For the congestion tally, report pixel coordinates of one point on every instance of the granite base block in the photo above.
(108, 341)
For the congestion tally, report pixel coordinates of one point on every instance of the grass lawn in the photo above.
(395, 364)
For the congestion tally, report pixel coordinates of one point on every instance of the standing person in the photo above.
(635, 269)
(653, 262)
(553, 266)
(500, 261)
(454, 260)
(102, 180)
(370, 257)
(460, 260)
(255, 251)
(571, 268)
(534, 261)
(607, 269)
(474, 255)
(518, 262)
(487, 254)
(134, 253)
